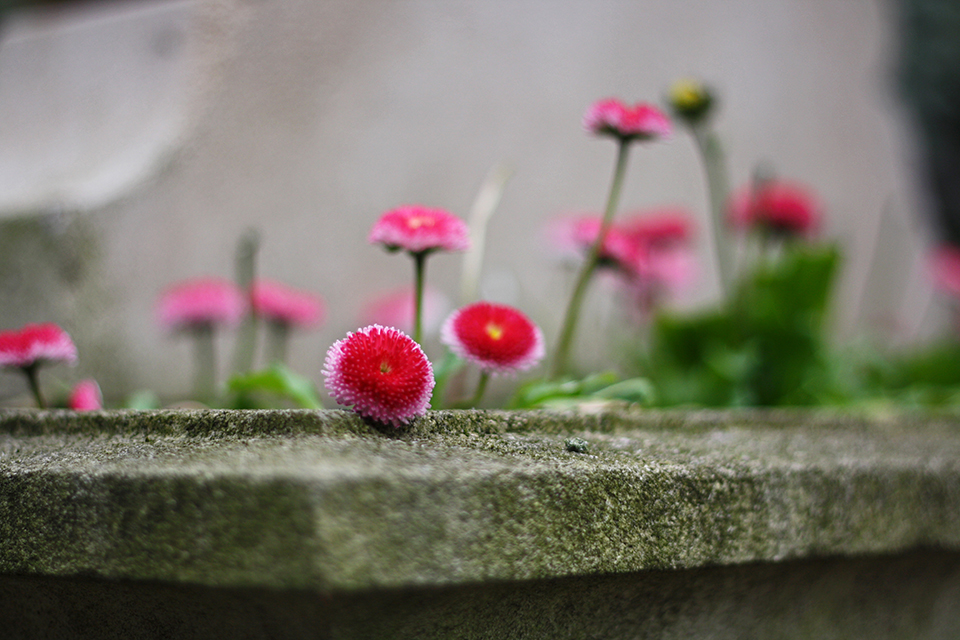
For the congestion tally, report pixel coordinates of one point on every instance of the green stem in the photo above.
(246, 272)
(569, 326)
(33, 379)
(205, 372)
(420, 267)
(478, 394)
(277, 339)
(718, 189)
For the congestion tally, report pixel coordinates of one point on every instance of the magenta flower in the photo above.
(199, 306)
(279, 303)
(36, 344)
(497, 338)
(396, 309)
(201, 302)
(612, 117)
(574, 236)
(382, 373)
(86, 396)
(418, 229)
(777, 207)
(33, 346)
(660, 228)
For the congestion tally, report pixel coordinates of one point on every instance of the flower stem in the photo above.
(277, 338)
(714, 167)
(420, 267)
(568, 328)
(205, 372)
(33, 380)
(246, 272)
(478, 394)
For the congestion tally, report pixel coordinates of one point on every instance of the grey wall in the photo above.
(157, 132)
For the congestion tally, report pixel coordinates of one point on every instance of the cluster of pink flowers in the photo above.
(651, 251)
(381, 372)
(777, 207)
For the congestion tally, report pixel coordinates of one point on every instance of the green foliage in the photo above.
(568, 392)
(263, 388)
(764, 346)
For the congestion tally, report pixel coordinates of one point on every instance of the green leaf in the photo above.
(278, 380)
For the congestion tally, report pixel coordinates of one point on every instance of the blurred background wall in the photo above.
(139, 140)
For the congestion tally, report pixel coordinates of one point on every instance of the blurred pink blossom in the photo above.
(784, 208)
(36, 344)
(280, 303)
(613, 117)
(945, 269)
(200, 302)
(418, 229)
(395, 309)
(86, 396)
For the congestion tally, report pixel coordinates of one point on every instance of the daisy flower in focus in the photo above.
(33, 346)
(497, 338)
(382, 373)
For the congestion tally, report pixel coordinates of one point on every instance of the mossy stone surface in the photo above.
(318, 501)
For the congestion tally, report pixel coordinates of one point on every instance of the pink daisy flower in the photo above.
(574, 236)
(418, 229)
(36, 344)
(86, 396)
(397, 308)
(285, 305)
(496, 337)
(781, 207)
(612, 117)
(382, 373)
(200, 302)
(660, 228)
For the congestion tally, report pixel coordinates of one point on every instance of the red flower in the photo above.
(201, 302)
(497, 338)
(780, 207)
(612, 117)
(660, 228)
(86, 396)
(945, 269)
(36, 344)
(418, 229)
(284, 305)
(382, 372)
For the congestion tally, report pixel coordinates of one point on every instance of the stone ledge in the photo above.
(319, 501)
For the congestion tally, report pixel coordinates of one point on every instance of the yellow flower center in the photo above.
(420, 221)
(494, 331)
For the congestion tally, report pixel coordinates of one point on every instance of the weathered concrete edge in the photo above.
(214, 423)
(522, 518)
